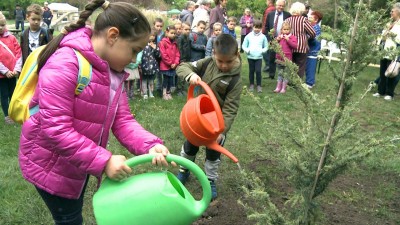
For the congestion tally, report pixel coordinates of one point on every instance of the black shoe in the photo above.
(271, 77)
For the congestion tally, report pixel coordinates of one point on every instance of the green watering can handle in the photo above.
(202, 204)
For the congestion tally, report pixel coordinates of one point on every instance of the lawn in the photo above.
(367, 193)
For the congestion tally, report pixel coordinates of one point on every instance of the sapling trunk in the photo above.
(338, 105)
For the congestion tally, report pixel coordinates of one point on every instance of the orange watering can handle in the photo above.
(203, 203)
(213, 99)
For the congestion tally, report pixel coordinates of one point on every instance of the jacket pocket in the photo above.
(222, 86)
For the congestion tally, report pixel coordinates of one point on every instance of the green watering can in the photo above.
(153, 198)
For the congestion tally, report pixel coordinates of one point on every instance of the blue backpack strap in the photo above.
(85, 73)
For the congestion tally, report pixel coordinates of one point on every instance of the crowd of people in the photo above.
(128, 53)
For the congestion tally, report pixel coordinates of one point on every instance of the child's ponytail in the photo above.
(131, 23)
(53, 44)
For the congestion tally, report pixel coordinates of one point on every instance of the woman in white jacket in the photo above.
(389, 40)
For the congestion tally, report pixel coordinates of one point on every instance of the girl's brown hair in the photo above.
(130, 22)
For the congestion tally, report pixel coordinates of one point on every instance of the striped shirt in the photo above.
(303, 30)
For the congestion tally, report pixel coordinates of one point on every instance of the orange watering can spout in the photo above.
(215, 146)
(202, 122)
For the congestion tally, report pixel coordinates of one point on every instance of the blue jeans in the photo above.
(255, 67)
(64, 211)
(311, 68)
(19, 22)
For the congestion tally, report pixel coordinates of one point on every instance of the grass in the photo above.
(246, 139)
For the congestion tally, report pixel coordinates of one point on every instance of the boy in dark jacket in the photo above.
(222, 74)
(184, 49)
(198, 42)
(35, 36)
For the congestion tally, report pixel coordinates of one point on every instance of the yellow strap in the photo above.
(85, 73)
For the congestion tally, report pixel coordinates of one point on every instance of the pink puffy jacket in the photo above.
(66, 140)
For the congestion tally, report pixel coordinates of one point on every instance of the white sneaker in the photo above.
(377, 95)
(145, 97)
(388, 97)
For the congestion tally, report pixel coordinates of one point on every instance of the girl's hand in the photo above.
(116, 169)
(160, 152)
(9, 74)
(194, 79)
(173, 66)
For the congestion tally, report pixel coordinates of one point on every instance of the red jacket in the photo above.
(9, 61)
(287, 46)
(169, 53)
(264, 21)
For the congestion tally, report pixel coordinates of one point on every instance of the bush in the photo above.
(7, 14)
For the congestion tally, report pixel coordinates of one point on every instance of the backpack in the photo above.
(19, 109)
(194, 35)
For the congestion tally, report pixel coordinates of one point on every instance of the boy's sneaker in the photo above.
(259, 89)
(183, 175)
(388, 97)
(251, 88)
(145, 97)
(377, 95)
(213, 190)
(8, 120)
(151, 95)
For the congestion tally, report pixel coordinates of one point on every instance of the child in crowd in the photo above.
(34, 36)
(150, 66)
(133, 70)
(288, 42)
(229, 27)
(170, 58)
(178, 28)
(184, 43)
(217, 30)
(158, 26)
(184, 50)
(315, 46)
(255, 44)
(222, 74)
(10, 66)
(198, 42)
(65, 141)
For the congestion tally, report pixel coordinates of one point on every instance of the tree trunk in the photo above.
(336, 15)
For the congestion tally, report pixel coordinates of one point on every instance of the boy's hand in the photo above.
(160, 152)
(194, 79)
(116, 169)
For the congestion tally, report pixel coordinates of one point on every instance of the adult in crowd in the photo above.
(47, 14)
(389, 39)
(274, 21)
(187, 14)
(218, 14)
(246, 23)
(19, 15)
(270, 8)
(315, 46)
(202, 13)
(302, 29)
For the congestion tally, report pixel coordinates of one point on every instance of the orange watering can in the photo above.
(154, 198)
(202, 121)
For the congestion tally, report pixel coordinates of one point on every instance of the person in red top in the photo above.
(10, 66)
(270, 8)
(170, 58)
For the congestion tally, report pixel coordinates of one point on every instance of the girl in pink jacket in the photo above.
(66, 140)
(170, 58)
(288, 42)
(10, 66)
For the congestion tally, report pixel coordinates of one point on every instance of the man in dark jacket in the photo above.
(274, 21)
(187, 14)
(19, 15)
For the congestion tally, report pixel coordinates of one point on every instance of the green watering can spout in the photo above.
(156, 198)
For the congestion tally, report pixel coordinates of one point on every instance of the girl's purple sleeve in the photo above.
(292, 42)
